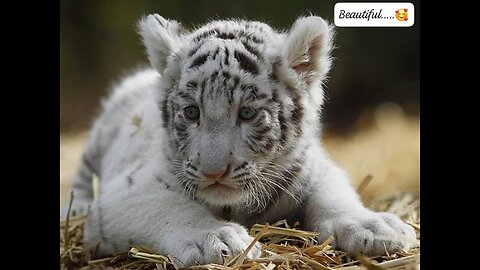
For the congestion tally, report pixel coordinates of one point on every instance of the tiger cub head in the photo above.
(236, 98)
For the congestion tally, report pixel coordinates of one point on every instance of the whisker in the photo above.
(278, 185)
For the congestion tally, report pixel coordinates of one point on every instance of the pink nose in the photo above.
(216, 176)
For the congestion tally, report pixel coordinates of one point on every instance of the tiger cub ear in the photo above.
(307, 48)
(160, 37)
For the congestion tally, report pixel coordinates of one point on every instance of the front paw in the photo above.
(211, 245)
(368, 233)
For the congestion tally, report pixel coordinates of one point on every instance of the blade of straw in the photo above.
(95, 186)
(66, 234)
(368, 263)
(364, 183)
(254, 241)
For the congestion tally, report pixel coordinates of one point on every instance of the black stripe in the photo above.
(258, 137)
(283, 127)
(251, 94)
(281, 118)
(260, 120)
(182, 137)
(195, 50)
(251, 88)
(255, 39)
(274, 75)
(191, 174)
(226, 36)
(215, 53)
(236, 80)
(227, 55)
(246, 63)
(185, 95)
(202, 90)
(183, 147)
(226, 75)
(199, 61)
(254, 95)
(240, 175)
(229, 93)
(250, 35)
(213, 76)
(205, 34)
(180, 127)
(244, 164)
(191, 166)
(264, 130)
(269, 144)
(164, 109)
(192, 85)
(252, 50)
(262, 96)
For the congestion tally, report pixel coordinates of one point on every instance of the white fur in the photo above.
(304, 32)
(141, 200)
(161, 37)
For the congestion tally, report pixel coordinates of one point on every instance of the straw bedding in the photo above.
(285, 247)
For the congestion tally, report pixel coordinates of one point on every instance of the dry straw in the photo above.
(285, 247)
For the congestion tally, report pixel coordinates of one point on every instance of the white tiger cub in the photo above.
(222, 133)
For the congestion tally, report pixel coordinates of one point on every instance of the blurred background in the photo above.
(371, 115)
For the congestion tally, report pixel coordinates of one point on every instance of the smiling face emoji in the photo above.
(401, 14)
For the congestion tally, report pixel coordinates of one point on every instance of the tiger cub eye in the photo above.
(247, 113)
(192, 112)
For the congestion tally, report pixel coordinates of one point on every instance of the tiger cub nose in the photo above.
(216, 176)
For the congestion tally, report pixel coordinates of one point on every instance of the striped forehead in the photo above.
(215, 54)
(221, 85)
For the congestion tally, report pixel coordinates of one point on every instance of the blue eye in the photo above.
(247, 113)
(192, 112)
